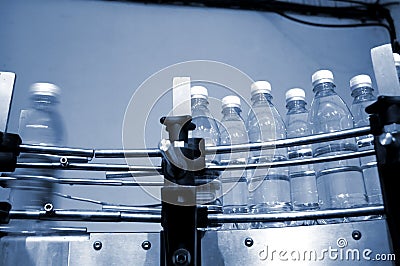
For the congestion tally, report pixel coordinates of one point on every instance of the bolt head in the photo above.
(97, 245)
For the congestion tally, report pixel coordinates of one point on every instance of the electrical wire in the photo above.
(351, 25)
(103, 203)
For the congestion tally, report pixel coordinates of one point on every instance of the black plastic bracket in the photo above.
(9, 151)
(183, 158)
(385, 126)
(5, 208)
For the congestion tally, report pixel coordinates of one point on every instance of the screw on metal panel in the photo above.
(64, 161)
(181, 257)
(356, 235)
(248, 242)
(146, 245)
(97, 245)
(48, 207)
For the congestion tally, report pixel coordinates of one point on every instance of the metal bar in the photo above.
(293, 162)
(92, 216)
(289, 216)
(81, 181)
(155, 152)
(89, 167)
(63, 151)
(131, 209)
(290, 142)
(118, 175)
(126, 168)
(119, 216)
(127, 153)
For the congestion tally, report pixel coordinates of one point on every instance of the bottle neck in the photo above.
(324, 89)
(231, 111)
(43, 102)
(363, 93)
(296, 106)
(261, 98)
(199, 102)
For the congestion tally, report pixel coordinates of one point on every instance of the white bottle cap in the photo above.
(260, 86)
(360, 81)
(231, 101)
(321, 76)
(295, 94)
(199, 92)
(396, 58)
(44, 88)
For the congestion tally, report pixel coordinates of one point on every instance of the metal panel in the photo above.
(36, 250)
(331, 244)
(116, 249)
(385, 70)
(6, 92)
(181, 96)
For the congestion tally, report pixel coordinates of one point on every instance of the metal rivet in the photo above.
(356, 235)
(146, 245)
(64, 161)
(48, 207)
(97, 245)
(248, 242)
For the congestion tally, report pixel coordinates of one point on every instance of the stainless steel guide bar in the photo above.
(157, 169)
(80, 181)
(115, 153)
(121, 216)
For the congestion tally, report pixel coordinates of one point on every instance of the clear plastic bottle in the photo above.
(340, 183)
(206, 128)
(269, 189)
(362, 91)
(303, 183)
(234, 185)
(40, 124)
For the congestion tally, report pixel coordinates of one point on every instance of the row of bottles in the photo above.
(331, 185)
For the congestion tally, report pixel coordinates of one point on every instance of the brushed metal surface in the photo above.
(7, 80)
(385, 70)
(181, 96)
(331, 244)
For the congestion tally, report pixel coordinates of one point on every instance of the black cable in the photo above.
(352, 25)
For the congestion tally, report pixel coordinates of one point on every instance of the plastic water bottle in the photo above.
(40, 124)
(207, 128)
(234, 186)
(362, 91)
(303, 183)
(340, 183)
(269, 189)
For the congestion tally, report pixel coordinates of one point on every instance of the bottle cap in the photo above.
(44, 88)
(295, 94)
(199, 92)
(360, 81)
(260, 86)
(231, 101)
(396, 58)
(321, 76)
